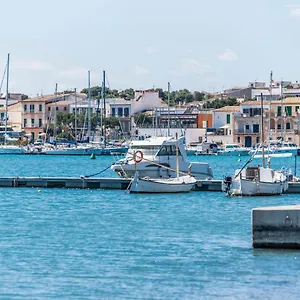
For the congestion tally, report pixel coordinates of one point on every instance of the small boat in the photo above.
(233, 150)
(256, 181)
(181, 184)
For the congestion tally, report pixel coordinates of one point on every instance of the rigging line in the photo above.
(91, 175)
(3, 78)
(107, 81)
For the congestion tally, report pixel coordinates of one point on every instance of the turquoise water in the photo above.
(102, 244)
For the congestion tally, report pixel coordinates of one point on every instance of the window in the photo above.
(113, 111)
(40, 107)
(239, 139)
(120, 111)
(25, 123)
(257, 139)
(278, 126)
(126, 111)
(25, 107)
(56, 108)
(288, 125)
(31, 107)
(2, 116)
(247, 127)
(256, 128)
(168, 151)
(228, 119)
(288, 110)
(279, 111)
(49, 108)
(32, 122)
(40, 122)
(297, 109)
(65, 108)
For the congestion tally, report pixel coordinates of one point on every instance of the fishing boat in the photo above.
(181, 184)
(256, 181)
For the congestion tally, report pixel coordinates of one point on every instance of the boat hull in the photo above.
(146, 185)
(234, 153)
(253, 188)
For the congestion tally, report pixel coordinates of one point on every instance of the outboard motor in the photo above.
(227, 183)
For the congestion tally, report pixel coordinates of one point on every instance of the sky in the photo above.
(194, 44)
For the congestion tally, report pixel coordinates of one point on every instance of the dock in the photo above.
(276, 227)
(90, 183)
(105, 183)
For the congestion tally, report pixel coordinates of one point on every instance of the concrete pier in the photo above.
(276, 227)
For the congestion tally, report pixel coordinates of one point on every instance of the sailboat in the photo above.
(179, 184)
(9, 149)
(257, 180)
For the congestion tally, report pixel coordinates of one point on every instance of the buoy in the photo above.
(39, 191)
(93, 156)
(239, 159)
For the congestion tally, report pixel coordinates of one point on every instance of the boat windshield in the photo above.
(169, 150)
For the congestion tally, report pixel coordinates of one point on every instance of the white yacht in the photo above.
(12, 149)
(156, 158)
(233, 150)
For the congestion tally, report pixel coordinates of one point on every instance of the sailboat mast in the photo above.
(6, 96)
(281, 104)
(104, 107)
(75, 94)
(262, 129)
(177, 158)
(206, 118)
(55, 108)
(271, 83)
(168, 108)
(89, 105)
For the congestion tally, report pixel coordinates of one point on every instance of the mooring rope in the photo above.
(91, 175)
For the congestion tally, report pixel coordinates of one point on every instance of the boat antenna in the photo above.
(262, 129)
(6, 96)
(168, 109)
(89, 105)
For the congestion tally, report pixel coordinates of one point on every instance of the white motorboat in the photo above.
(278, 149)
(233, 150)
(181, 184)
(156, 152)
(256, 181)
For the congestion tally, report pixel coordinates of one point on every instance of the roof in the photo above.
(51, 97)
(227, 109)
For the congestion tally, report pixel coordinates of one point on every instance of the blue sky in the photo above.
(194, 44)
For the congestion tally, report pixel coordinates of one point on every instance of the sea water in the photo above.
(108, 244)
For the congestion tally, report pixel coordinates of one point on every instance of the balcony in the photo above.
(245, 132)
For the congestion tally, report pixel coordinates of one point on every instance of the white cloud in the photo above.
(151, 50)
(33, 65)
(294, 10)
(228, 55)
(141, 70)
(189, 65)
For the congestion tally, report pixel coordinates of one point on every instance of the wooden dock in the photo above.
(105, 183)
